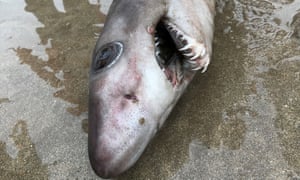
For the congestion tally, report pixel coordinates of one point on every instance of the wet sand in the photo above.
(239, 120)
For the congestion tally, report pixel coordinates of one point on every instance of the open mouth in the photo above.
(167, 44)
(175, 51)
(167, 53)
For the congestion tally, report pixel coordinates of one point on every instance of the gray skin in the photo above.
(130, 94)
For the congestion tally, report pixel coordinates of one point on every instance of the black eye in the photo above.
(107, 55)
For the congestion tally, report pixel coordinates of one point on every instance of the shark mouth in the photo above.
(176, 52)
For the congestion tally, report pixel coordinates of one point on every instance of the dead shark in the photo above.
(147, 54)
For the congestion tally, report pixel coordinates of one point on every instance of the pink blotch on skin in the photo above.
(151, 29)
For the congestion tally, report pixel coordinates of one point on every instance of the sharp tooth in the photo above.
(204, 68)
(156, 44)
(181, 75)
(203, 52)
(188, 50)
(192, 62)
(189, 54)
(196, 56)
(157, 53)
(197, 68)
(185, 47)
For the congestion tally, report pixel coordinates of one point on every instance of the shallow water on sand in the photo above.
(239, 120)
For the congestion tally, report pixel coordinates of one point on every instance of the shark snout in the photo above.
(104, 162)
(119, 131)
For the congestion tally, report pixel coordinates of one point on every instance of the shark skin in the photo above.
(134, 83)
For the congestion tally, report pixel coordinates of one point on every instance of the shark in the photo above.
(147, 54)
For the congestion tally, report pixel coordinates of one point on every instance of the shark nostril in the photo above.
(131, 97)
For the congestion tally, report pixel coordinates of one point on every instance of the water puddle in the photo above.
(41, 50)
(4, 100)
(69, 32)
(27, 164)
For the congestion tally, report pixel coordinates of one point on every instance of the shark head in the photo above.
(146, 55)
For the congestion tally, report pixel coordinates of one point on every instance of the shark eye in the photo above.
(107, 55)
